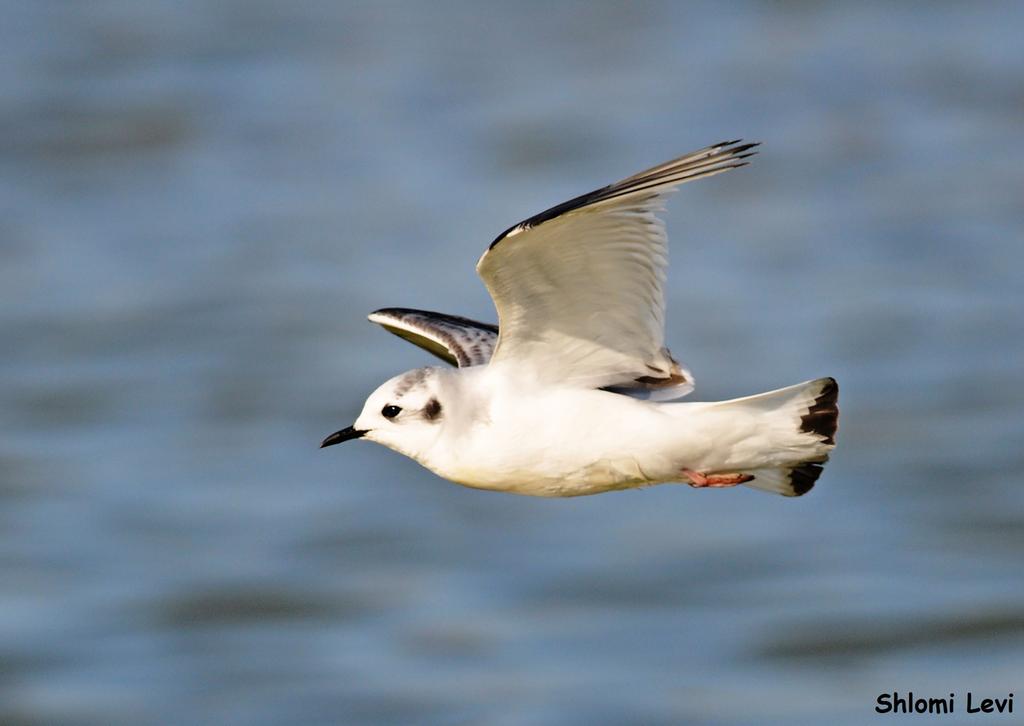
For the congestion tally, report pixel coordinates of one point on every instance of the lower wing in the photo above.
(463, 342)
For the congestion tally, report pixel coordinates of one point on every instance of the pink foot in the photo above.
(715, 481)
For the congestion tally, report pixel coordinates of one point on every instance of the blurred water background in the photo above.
(199, 203)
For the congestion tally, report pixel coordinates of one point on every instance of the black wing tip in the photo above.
(822, 419)
(723, 155)
(803, 477)
(724, 144)
(738, 150)
(400, 313)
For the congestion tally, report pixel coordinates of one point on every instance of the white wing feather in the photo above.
(579, 288)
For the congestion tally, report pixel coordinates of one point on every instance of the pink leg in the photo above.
(715, 481)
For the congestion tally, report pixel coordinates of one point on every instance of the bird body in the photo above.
(574, 391)
(504, 433)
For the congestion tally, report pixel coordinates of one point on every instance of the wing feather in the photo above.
(456, 340)
(463, 342)
(579, 287)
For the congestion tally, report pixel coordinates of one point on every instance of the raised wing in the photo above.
(459, 341)
(578, 287)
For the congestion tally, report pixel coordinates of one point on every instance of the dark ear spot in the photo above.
(432, 410)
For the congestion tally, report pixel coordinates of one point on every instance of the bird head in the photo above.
(405, 414)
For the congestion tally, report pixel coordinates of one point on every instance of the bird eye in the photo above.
(390, 411)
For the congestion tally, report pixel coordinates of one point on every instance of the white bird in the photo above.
(573, 392)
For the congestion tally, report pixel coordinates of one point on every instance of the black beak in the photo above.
(344, 435)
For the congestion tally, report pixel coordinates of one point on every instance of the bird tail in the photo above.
(796, 428)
